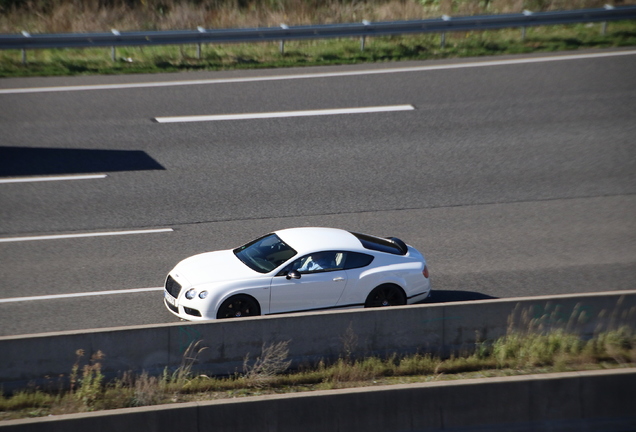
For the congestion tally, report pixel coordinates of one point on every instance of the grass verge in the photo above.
(514, 354)
(163, 59)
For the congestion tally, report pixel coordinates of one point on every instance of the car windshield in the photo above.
(264, 254)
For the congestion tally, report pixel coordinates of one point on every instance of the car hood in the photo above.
(219, 266)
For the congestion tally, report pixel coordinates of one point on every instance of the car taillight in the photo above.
(425, 272)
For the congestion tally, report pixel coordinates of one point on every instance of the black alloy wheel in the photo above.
(386, 295)
(238, 306)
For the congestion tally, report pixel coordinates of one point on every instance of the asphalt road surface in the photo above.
(515, 176)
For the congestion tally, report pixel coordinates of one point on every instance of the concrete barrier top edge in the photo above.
(319, 393)
(346, 311)
(94, 330)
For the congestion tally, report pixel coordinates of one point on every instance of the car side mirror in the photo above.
(293, 275)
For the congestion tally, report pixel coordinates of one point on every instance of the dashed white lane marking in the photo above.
(75, 295)
(95, 234)
(52, 178)
(319, 75)
(249, 116)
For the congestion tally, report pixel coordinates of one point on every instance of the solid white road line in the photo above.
(95, 234)
(52, 178)
(249, 116)
(320, 75)
(88, 294)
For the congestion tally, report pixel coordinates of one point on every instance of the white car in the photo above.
(297, 270)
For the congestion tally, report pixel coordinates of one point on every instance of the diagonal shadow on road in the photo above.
(34, 161)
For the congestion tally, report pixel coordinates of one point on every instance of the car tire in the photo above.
(238, 306)
(386, 295)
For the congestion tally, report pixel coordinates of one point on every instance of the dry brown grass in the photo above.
(272, 361)
(68, 16)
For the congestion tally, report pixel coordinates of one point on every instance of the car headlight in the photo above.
(203, 294)
(190, 294)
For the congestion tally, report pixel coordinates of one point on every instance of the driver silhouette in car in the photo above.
(318, 261)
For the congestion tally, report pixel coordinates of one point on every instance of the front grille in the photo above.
(173, 287)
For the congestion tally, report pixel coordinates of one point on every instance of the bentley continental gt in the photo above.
(297, 270)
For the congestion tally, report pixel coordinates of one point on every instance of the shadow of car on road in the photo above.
(446, 296)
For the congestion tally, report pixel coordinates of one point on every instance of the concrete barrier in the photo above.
(434, 328)
(575, 401)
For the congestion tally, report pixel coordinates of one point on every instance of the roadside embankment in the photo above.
(438, 329)
(582, 401)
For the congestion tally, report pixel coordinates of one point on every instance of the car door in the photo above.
(319, 286)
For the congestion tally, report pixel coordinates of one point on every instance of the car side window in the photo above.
(317, 262)
(357, 260)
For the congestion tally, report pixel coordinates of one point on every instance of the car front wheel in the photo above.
(386, 295)
(238, 306)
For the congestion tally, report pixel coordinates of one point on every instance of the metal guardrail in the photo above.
(284, 33)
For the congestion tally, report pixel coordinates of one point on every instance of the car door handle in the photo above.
(338, 279)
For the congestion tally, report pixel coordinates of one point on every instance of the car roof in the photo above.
(312, 239)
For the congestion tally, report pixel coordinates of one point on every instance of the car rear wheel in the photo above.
(386, 295)
(238, 306)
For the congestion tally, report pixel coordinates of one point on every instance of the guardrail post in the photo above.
(442, 42)
(604, 26)
(363, 38)
(112, 49)
(25, 34)
(523, 29)
(201, 30)
(282, 41)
